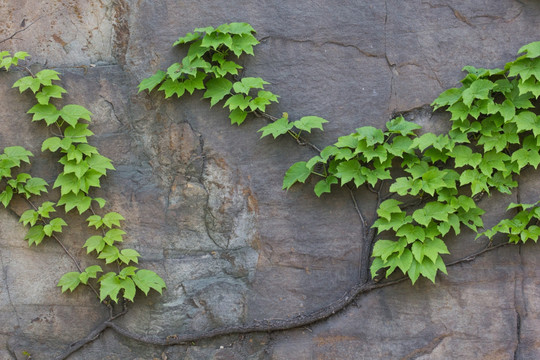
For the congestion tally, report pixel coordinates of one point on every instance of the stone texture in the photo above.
(202, 199)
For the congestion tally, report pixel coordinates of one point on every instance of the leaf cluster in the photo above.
(6, 60)
(210, 65)
(82, 168)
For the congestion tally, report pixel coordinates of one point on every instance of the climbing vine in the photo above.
(83, 167)
(434, 181)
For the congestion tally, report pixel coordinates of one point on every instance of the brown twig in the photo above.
(12, 36)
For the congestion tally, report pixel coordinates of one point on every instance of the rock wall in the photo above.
(203, 201)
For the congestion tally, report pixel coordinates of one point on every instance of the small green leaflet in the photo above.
(72, 113)
(307, 123)
(276, 128)
(243, 44)
(532, 50)
(151, 82)
(388, 207)
(48, 92)
(298, 172)
(189, 37)
(237, 116)
(401, 126)
(350, 170)
(35, 235)
(248, 83)
(323, 186)
(147, 279)
(217, 89)
(48, 112)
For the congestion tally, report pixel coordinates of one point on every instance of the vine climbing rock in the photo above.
(203, 201)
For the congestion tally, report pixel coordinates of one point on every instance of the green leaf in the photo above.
(237, 101)
(276, 128)
(52, 144)
(78, 133)
(172, 87)
(401, 126)
(479, 89)
(307, 123)
(237, 116)
(216, 39)
(323, 186)
(48, 92)
(389, 207)
(464, 156)
(109, 254)
(531, 50)
(48, 112)
(35, 186)
(94, 243)
(248, 83)
(72, 113)
(90, 273)
(112, 219)
(243, 44)
(69, 281)
(147, 279)
(35, 235)
(350, 170)
(128, 255)
(101, 202)
(113, 235)
(448, 97)
(100, 163)
(189, 37)
(217, 89)
(27, 82)
(411, 233)
(370, 134)
(17, 154)
(525, 68)
(46, 76)
(151, 82)
(29, 217)
(71, 201)
(298, 172)
(110, 286)
(6, 196)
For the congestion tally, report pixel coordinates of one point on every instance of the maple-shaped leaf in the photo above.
(237, 116)
(237, 101)
(46, 76)
(307, 123)
(298, 172)
(448, 97)
(525, 68)
(112, 219)
(217, 89)
(69, 281)
(324, 186)
(28, 82)
(48, 92)
(128, 255)
(172, 87)
(401, 126)
(151, 82)
(276, 128)
(48, 112)
(189, 37)
(350, 170)
(388, 207)
(72, 113)
(248, 83)
(531, 50)
(243, 44)
(147, 279)
(109, 286)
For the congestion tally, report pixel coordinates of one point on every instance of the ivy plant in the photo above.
(82, 169)
(495, 133)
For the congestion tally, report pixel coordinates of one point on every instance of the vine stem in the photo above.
(270, 325)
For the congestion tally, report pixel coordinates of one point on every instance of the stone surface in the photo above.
(203, 201)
